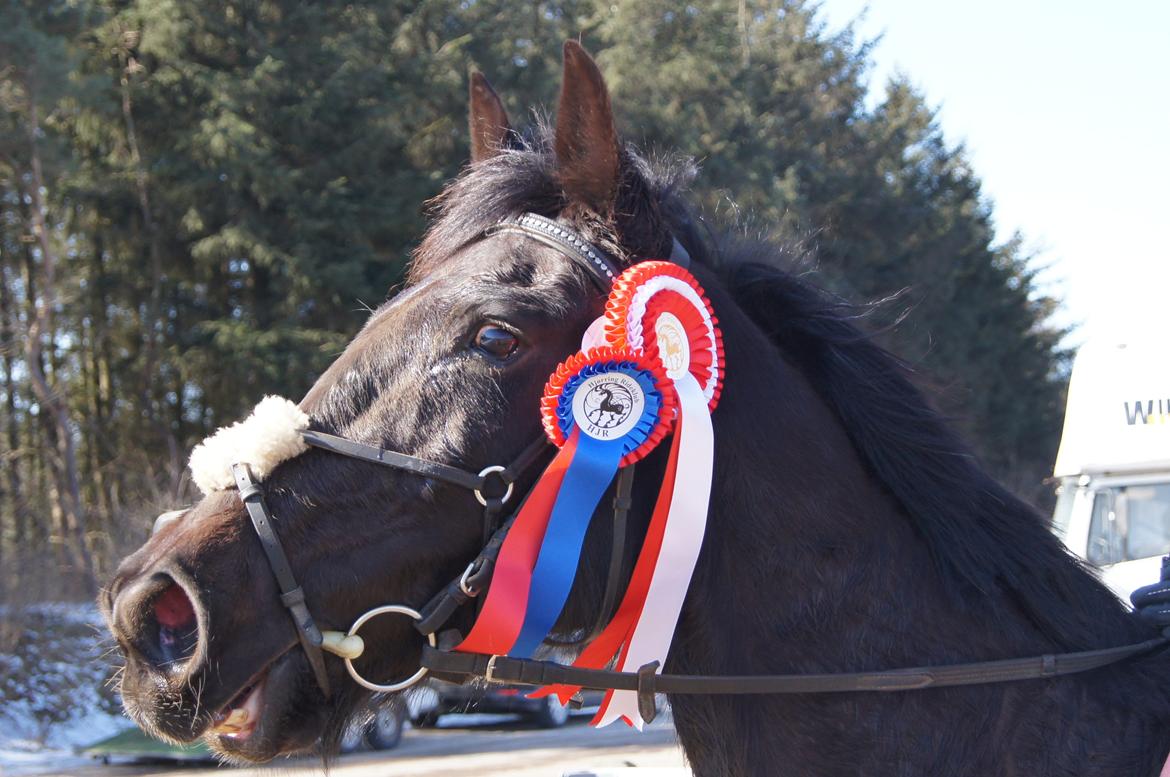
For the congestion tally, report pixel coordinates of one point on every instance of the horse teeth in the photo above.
(237, 719)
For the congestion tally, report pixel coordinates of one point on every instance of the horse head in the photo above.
(450, 370)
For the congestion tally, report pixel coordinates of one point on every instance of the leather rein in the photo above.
(494, 486)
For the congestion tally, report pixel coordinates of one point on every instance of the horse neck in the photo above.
(810, 565)
(805, 524)
(801, 537)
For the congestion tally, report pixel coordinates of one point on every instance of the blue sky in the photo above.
(1064, 108)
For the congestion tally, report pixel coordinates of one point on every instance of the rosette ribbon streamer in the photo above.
(659, 308)
(605, 408)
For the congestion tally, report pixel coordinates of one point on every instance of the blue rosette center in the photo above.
(613, 401)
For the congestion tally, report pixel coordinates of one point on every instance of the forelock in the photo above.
(523, 180)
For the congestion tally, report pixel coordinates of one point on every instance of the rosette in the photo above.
(590, 390)
(660, 309)
(605, 408)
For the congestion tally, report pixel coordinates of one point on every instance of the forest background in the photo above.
(199, 200)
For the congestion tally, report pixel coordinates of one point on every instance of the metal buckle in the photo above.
(463, 586)
(491, 668)
(395, 609)
(483, 473)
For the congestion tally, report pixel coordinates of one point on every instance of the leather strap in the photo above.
(472, 481)
(478, 575)
(428, 469)
(603, 270)
(622, 501)
(292, 595)
(470, 584)
(527, 458)
(520, 671)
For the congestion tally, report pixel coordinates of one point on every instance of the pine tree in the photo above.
(774, 107)
(223, 187)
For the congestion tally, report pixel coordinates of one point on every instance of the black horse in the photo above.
(849, 528)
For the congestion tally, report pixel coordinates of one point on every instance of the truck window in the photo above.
(1129, 522)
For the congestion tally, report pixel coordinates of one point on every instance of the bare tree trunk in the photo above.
(42, 465)
(99, 437)
(41, 325)
(154, 315)
(745, 48)
(16, 515)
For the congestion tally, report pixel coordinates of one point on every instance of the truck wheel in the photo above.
(426, 720)
(385, 731)
(351, 740)
(551, 714)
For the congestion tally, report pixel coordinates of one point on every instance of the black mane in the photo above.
(984, 539)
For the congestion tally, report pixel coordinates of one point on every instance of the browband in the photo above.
(603, 268)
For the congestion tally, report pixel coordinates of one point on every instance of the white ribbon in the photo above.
(685, 524)
(594, 336)
(637, 310)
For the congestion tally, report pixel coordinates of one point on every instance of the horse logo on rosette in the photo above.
(673, 348)
(607, 406)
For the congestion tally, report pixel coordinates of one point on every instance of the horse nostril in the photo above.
(157, 618)
(178, 631)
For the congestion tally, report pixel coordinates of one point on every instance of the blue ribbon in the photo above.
(588, 476)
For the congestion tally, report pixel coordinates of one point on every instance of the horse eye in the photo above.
(496, 341)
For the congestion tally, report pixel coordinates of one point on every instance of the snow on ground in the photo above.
(53, 686)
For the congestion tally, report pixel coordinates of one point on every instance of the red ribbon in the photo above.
(616, 635)
(499, 621)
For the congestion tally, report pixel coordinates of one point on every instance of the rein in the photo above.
(493, 487)
(647, 681)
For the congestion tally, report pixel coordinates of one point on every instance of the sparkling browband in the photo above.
(602, 268)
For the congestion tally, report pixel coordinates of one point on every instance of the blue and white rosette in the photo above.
(614, 406)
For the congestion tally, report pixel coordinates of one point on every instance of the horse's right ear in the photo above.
(487, 119)
(586, 140)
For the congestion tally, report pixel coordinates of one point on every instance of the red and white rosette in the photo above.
(659, 308)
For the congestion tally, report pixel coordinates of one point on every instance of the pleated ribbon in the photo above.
(606, 408)
(659, 308)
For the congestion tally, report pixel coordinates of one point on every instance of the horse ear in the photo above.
(586, 140)
(487, 119)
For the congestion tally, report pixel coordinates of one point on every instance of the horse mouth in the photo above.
(238, 718)
(264, 719)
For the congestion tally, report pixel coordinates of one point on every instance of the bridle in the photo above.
(494, 488)
(292, 596)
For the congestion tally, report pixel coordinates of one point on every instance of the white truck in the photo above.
(1113, 468)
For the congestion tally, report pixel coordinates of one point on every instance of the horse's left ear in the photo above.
(487, 120)
(586, 140)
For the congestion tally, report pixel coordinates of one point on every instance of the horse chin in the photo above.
(279, 713)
